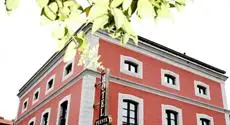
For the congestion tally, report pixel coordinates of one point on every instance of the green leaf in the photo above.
(134, 38)
(163, 11)
(60, 32)
(96, 11)
(42, 3)
(119, 17)
(128, 28)
(126, 4)
(82, 41)
(62, 42)
(115, 3)
(73, 5)
(125, 39)
(144, 8)
(53, 7)
(99, 23)
(50, 11)
(70, 52)
(11, 4)
(65, 11)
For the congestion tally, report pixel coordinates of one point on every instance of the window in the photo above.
(131, 66)
(36, 95)
(170, 79)
(171, 115)
(68, 70)
(25, 105)
(32, 121)
(45, 117)
(63, 111)
(50, 84)
(130, 110)
(202, 90)
(203, 119)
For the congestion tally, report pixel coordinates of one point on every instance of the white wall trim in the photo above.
(87, 100)
(165, 107)
(227, 118)
(32, 120)
(224, 97)
(198, 116)
(177, 80)
(24, 109)
(139, 73)
(140, 109)
(33, 99)
(48, 110)
(49, 90)
(208, 96)
(66, 98)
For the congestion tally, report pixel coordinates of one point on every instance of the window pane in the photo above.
(132, 114)
(68, 69)
(124, 112)
(172, 116)
(132, 106)
(50, 84)
(132, 121)
(132, 69)
(173, 123)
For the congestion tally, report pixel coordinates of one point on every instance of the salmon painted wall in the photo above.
(58, 72)
(110, 56)
(152, 107)
(75, 92)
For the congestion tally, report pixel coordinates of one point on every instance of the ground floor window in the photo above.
(130, 110)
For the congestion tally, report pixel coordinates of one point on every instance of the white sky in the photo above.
(201, 30)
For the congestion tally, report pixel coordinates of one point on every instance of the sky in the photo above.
(201, 30)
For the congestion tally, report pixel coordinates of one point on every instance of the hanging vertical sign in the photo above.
(103, 118)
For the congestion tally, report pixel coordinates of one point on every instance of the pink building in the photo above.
(148, 84)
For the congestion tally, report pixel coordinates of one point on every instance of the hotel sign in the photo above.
(103, 118)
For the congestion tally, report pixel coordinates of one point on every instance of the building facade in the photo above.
(148, 84)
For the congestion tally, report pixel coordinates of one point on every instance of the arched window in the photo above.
(129, 112)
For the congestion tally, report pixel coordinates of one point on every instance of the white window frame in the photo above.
(198, 116)
(66, 98)
(139, 74)
(177, 79)
(24, 109)
(32, 120)
(47, 85)
(140, 108)
(197, 91)
(173, 108)
(48, 110)
(34, 101)
(64, 77)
